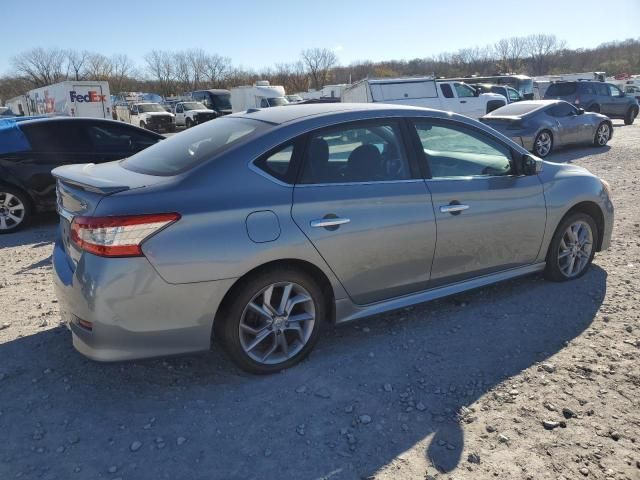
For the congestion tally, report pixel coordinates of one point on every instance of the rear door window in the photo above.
(107, 138)
(356, 153)
(57, 137)
(446, 90)
(561, 89)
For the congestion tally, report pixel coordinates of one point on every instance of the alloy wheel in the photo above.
(12, 211)
(277, 323)
(575, 249)
(543, 144)
(603, 134)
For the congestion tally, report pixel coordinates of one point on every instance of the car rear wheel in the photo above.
(15, 209)
(631, 115)
(188, 123)
(603, 134)
(543, 144)
(273, 320)
(572, 248)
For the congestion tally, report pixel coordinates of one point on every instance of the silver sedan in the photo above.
(542, 125)
(258, 228)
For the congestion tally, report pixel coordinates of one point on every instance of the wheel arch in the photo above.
(594, 211)
(30, 199)
(307, 267)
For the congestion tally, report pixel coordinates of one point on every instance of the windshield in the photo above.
(222, 101)
(277, 101)
(152, 97)
(193, 106)
(192, 147)
(150, 107)
(520, 108)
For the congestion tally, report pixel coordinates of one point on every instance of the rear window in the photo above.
(190, 148)
(515, 109)
(561, 89)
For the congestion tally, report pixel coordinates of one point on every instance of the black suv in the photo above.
(31, 148)
(599, 97)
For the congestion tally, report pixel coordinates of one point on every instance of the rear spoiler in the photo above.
(80, 176)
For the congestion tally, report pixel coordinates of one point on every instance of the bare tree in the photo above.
(216, 69)
(319, 61)
(541, 48)
(161, 68)
(42, 67)
(98, 67)
(122, 67)
(75, 63)
(292, 76)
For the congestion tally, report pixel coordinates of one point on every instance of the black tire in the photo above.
(20, 199)
(227, 324)
(553, 270)
(539, 141)
(631, 115)
(595, 108)
(600, 139)
(188, 123)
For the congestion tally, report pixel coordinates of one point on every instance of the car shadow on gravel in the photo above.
(411, 379)
(41, 231)
(569, 155)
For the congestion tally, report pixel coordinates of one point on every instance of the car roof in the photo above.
(293, 113)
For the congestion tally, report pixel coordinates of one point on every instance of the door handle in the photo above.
(329, 222)
(453, 209)
(463, 101)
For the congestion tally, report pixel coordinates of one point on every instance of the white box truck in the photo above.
(72, 98)
(425, 92)
(259, 95)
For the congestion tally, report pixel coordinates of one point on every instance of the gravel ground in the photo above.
(523, 380)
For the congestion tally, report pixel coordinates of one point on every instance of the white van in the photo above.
(451, 96)
(259, 95)
(72, 98)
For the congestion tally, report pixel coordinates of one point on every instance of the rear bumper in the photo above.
(134, 313)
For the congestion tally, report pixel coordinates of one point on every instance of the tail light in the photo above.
(120, 236)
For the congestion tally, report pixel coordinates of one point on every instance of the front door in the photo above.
(488, 219)
(366, 210)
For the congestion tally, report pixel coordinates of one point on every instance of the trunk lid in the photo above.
(80, 188)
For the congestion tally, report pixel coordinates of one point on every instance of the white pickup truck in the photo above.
(426, 92)
(189, 114)
(147, 115)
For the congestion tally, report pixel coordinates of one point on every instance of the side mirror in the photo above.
(530, 165)
(580, 111)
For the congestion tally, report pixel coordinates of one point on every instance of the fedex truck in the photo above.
(73, 98)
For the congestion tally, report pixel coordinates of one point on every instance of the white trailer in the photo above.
(426, 92)
(72, 98)
(259, 95)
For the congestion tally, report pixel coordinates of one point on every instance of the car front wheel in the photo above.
(543, 144)
(15, 211)
(572, 248)
(603, 135)
(272, 321)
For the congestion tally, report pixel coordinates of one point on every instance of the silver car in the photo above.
(258, 228)
(542, 125)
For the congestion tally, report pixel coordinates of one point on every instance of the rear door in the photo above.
(89, 101)
(362, 203)
(571, 128)
(488, 218)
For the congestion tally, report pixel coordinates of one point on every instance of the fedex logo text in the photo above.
(89, 97)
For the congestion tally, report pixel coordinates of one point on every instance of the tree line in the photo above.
(174, 72)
